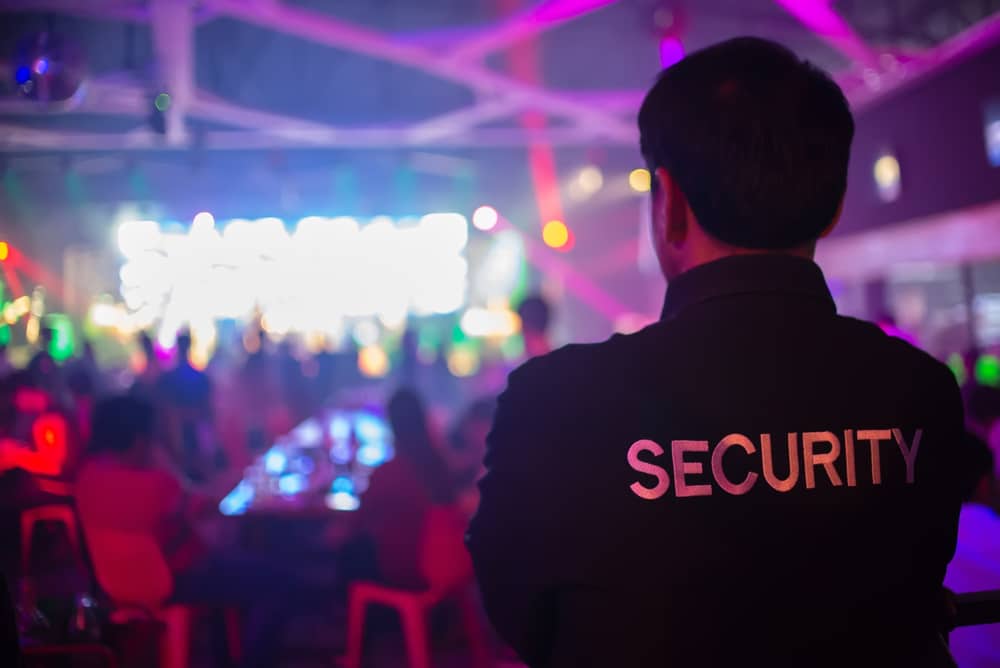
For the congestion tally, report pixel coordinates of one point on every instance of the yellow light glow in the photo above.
(4, 251)
(373, 362)
(555, 234)
(886, 171)
(640, 180)
(462, 362)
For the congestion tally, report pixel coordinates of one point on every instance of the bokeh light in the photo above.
(887, 177)
(463, 361)
(671, 51)
(987, 371)
(590, 179)
(162, 102)
(639, 180)
(203, 220)
(373, 362)
(485, 218)
(555, 234)
(4, 250)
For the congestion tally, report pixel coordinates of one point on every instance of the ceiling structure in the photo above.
(260, 74)
(273, 101)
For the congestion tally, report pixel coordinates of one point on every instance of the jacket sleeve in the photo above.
(511, 538)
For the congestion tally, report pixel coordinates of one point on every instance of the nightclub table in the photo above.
(310, 482)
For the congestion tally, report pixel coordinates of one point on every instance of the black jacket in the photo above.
(753, 480)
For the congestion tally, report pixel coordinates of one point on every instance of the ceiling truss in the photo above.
(454, 55)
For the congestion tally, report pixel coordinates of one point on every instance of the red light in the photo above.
(30, 400)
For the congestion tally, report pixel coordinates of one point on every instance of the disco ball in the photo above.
(48, 67)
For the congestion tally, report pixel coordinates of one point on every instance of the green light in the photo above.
(4, 335)
(987, 370)
(957, 366)
(162, 102)
(63, 339)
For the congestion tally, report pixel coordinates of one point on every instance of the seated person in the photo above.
(122, 487)
(402, 492)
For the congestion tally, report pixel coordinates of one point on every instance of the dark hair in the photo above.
(756, 139)
(408, 418)
(535, 313)
(119, 421)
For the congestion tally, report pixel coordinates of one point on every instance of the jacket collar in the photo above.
(766, 273)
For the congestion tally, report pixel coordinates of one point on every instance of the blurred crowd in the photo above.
(151, 451)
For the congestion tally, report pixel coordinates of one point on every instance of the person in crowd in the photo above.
(146, 380)
(753, 479)
(468, 442)
(976, 564)
(125, 486)
(402, 492)
(6, 368)
(535, 315)
(184, 395)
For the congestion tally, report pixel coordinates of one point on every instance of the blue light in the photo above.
(340, 428)
(343, 501)
(369, 428)
(275, 461)
(308, 433)
(22, 75)
(238, 500)
(342, 484)
(292, 484)
(303, 464)
(372, 454)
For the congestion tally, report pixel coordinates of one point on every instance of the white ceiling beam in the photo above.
(461, 120)
(332, 32)
(173, 45)
(15, 138)
(531, 22)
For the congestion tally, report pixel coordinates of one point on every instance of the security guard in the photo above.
(753, 480)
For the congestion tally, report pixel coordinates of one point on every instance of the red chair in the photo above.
(60, 513)
(132, 571)
(447, 570)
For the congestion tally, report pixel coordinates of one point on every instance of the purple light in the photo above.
(41, 66)
(671, 51)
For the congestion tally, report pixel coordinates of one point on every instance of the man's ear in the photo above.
(836, 219)
(675, 213)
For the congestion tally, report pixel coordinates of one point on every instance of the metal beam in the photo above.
(330, 31)
(173, 44)
(531, 22)
(15, 138)
(824, 21)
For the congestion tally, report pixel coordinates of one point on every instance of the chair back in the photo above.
(444, 561)
(59, 512)
(130, 567)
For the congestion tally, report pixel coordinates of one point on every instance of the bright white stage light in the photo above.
(138, 236)
(321, 278)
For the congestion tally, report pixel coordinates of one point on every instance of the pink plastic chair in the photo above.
(60, 513)
(448, 571)
(131, 569)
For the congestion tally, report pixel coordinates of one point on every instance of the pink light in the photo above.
(826, 23)
(671, 51)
